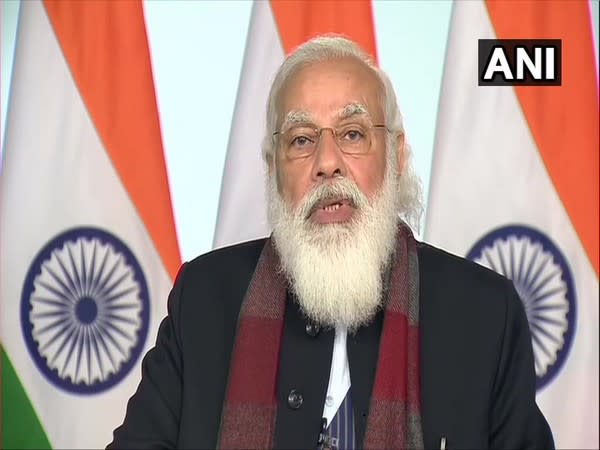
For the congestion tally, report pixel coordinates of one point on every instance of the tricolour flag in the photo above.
(276, 28)
(87, 239)
(514, 186)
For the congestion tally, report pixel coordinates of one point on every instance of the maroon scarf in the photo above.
(250, 407)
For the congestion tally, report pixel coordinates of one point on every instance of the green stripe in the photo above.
(21, 427)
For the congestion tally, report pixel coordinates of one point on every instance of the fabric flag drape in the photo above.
(514, 186)
(88, 249)
(276, 28)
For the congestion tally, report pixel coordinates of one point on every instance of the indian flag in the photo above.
(515, 187)
(88, 249)
(276, 29)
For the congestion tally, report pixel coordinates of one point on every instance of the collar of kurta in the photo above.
(250, 405)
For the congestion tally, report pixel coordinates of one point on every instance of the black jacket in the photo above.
(477, 372)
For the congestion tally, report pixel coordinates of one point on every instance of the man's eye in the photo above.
(353, 135)
(301, 141)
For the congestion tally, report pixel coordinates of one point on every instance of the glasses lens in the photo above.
(299, 142)
(354, 138)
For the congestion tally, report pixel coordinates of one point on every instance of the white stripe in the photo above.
(242, 205)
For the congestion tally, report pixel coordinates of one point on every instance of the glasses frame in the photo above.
(319, 132)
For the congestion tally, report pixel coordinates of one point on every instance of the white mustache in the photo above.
(340, 189)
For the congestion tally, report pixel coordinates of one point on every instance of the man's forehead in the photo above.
(330, 84)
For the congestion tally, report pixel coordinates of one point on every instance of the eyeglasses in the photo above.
(302, 141)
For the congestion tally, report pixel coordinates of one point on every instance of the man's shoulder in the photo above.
(463, 305)
(243, 255)
(439, 265)
(223, 272)
(453, 285)
(213, 285)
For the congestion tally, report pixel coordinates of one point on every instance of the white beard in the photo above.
(336, 271)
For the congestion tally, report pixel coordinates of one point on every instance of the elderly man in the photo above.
(340, 330)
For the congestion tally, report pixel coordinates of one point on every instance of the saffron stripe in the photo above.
(299, 20)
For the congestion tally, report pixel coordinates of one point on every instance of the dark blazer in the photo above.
(477, 373)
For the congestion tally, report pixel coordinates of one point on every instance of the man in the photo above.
(340, 330)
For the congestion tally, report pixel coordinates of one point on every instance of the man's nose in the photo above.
(329, 160)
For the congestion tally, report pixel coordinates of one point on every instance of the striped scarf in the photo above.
(250, 406)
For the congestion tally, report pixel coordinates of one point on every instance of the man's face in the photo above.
(331, 94)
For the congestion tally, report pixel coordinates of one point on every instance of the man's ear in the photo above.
(401, 149)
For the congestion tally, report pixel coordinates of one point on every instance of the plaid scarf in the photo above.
(250, 407)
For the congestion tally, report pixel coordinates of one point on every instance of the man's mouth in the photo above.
(332, 210)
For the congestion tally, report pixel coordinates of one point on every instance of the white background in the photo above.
(197, 49)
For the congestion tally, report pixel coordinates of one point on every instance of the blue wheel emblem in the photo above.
(544, 282)
(85, 310)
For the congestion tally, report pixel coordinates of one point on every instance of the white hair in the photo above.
(327, 48)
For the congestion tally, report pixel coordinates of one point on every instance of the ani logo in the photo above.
(544, 282)
(85, 310)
